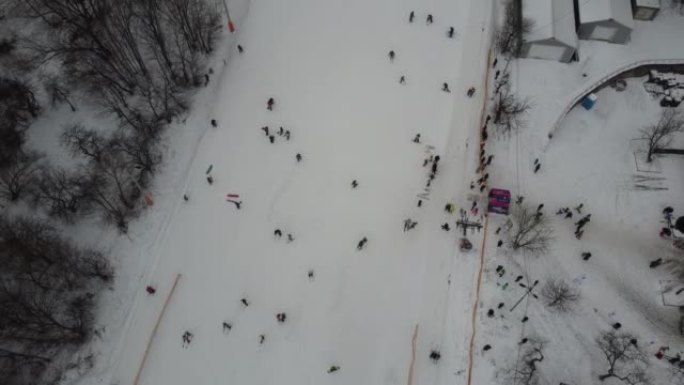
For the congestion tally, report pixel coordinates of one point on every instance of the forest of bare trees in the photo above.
(138, 61)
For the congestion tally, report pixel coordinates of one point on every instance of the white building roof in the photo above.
(648, 3)
(551, 19)
(598, 10)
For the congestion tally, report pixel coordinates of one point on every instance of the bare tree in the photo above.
(559, 296)
(508, 38)
(84, 141)
(660, 134)
(531, 232)
(19, 176)
(64, 194)
(626, 361)
(525, 371)
(510, 112)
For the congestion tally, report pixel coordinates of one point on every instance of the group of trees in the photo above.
(137, 59)
(509, 110)
(47, 289)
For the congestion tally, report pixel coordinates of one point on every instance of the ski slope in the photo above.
(326, 65)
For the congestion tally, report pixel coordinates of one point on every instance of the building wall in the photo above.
(586, 31)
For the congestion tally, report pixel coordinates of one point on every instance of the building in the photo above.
(553, 35)
(645, 9)
(607, 20)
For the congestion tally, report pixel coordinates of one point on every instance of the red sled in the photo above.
(233, 195)
(231, 27)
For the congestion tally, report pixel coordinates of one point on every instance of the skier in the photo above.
(411, 16)
(489, 159)
(311, 274)
(187, 338)
(568, 214)
(471, 92)
(434, 168)
(429, 19)
(287, 134)
(333, 369)
(407, 224)
(269, 104)
(240, 50)
(536, 161)
(299, 157)
(278, 233)
(226, 327)
(436, 159)
(586, 255)
(451, 32)
(355, 184)
(496, 60)
(262, 338)
(362, 243)
(210, 179)
(271, 139)
(402, 79)
(536, 168)
(265, 130)
(412, 225)
(445, 87)
(445, 227)
(150, 290)
(579, 208)
(540, 207)
(496, 74)
(280, 131)
(435, 355)
(185, 197)
(490, 313)
(237, 203)
(391, 56)
(420, 203)
(290, 238)
(500, 243)
(244, 302)
(214, 123)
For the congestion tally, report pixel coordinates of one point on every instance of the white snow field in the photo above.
(326, 65)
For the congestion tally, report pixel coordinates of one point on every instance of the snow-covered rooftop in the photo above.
(598, 10)
(551, 19)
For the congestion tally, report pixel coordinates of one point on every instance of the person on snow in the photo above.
(281, 131)
(206, 80)
(244, 302)
(265, 130)
(411, 16)
(586, 255)
(446, 227)
(226, 327)
(290, 238)
(333, 369)
(428, 20)
(471, 92)
(214, 123)
(489, 160)
(278, 233)
(391, 56)
(537, 167)
(402, 79)
(451, 32)
(407, 224)
(420, 203)
(185, 197)
(299, 157)
(540, 207)
(287, 134)
(237, 203)
(210, 179)
(354, 184)
(578, 234)
(568, 214)
(150, 290)
(434, 168)
(445, 87)
(271, 139)
(269, 104)
(500, 243)
(311, 274)
(262, 338)
(496, 74)
(579, 208)
(362, 243)
(187, 338)
(240, 50)
(435, 355)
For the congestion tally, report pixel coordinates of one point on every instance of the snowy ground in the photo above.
(589, 160)
(336, 91)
